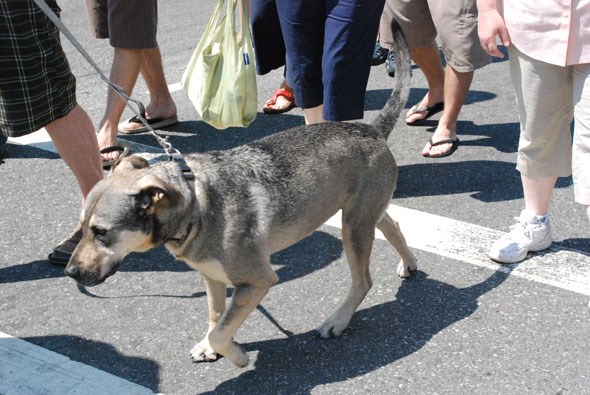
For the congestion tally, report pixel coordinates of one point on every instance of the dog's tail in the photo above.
(387, 118)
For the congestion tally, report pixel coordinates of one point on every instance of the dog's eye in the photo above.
(96, 231)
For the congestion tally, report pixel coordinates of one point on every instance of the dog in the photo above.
(248, 203)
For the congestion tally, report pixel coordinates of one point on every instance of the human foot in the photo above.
(421, 112)
(281, 101)
(444, 142)
(156, 116)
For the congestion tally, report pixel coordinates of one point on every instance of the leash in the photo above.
(173, 153)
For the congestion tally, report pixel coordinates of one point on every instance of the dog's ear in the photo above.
(153, 194)
(132, 162)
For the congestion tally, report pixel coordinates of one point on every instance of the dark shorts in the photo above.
(128, 24)
(267, 36)
(333, 71)
(37, 86)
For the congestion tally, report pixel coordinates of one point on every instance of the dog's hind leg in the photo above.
(216, 294)
(358, 242)
(392, 232)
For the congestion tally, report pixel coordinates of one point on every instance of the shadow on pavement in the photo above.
(377, 336)
(142, 371)
(447, 178)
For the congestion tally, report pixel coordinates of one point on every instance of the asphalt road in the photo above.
(461, 325)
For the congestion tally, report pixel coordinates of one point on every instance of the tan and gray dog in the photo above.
(248, 203)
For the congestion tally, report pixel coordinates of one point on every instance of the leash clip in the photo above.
(187, 173)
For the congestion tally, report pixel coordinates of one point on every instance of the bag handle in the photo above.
(231, 14)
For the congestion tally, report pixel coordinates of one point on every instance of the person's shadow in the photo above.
(377, 336)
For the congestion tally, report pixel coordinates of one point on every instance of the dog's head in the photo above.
(132, 210)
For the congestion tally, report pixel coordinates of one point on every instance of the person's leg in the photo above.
(73, 136)
(161, 103)
(75, 141)
(537, 193)
(456, 87)
(545, 108)
(346, 59)
(302, 22)
(124, 72)
(581, 141)
(428, 60)
(314, 115)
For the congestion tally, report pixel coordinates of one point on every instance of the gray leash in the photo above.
(172, 152)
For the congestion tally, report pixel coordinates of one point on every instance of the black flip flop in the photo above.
(62, 253)
(444, 154)
(123, 152)
(430, 111)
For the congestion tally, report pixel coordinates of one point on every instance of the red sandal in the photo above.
(287, 94)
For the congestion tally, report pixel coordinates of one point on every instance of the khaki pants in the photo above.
(548, 98)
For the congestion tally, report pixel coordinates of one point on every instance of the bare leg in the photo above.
(457, 86)
(429, 62)
(74, 139)
(161, 102)
(537, 193)
(314, 115)
(124, 72)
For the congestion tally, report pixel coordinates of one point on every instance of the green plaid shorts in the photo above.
(37, 86)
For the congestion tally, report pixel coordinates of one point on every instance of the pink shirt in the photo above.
(552, 31)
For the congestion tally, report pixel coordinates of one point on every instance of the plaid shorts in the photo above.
(37, 86)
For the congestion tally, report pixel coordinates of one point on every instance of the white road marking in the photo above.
(464, 242)
(30, 369)
(175, 87)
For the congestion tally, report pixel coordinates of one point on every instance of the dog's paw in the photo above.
(331, 328)
(406, 270)
(202, 352)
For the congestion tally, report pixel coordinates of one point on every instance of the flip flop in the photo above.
(279, 92)
(444, 154)
(155, 123)
(430, 111)
(123, 152)
(62, 253)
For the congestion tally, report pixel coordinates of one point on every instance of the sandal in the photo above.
(123, 152)
(430, 111)
(63, 252)
(287, 94)
(454, 146)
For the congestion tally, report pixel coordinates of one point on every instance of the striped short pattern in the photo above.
(37, 86)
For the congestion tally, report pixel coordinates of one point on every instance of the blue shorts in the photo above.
(333, 71)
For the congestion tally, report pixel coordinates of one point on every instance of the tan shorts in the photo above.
(548, 98)
(126, 23)
(453, 21)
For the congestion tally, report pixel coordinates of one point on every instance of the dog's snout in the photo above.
(72, 271)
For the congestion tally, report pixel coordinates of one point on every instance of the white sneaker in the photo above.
(531, 233)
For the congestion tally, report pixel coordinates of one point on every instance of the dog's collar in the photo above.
(180, 240)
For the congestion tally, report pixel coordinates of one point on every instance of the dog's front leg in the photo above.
(216, 294)
(245, 299)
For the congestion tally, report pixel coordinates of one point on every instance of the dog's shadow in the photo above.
(378, 336)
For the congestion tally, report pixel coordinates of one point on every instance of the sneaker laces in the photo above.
(524, 228)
